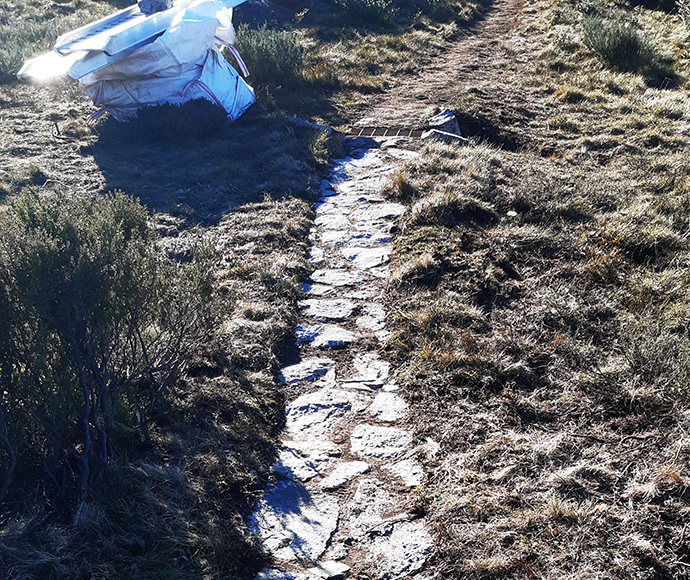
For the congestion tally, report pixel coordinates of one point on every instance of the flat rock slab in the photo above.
(377, 212)
(389, 407)
(337, 277)
(316, 256)
(273, 574)
(294, 523)
(402, 552)
(362, 239)
(325, 310)
(315, 414)
(379, 442)
(330, 221)
(364, 512)
(373, 318)
(317, 289)
(367, 258)
(330, 570)
(371, 374)
(343, 473)
(409, 471)
(324, 336)
(307, 370)
(303, 460)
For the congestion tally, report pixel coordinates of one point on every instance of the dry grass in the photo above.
(546, 349)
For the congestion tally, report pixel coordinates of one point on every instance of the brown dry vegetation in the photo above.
(540, 293)
(171, 501)
(540, 300)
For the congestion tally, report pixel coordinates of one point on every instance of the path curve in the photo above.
(469, 62)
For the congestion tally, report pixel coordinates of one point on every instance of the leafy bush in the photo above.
(273, 57)
(96, 324)
(618, 44)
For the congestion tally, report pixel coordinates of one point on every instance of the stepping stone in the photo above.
(294, 524)
(315, 414)
(325, 310)
(317, 289)
(378, 212)
(363, 294)
(330, 570)
(364, 513)
(402, 552)
(326, 189)
(316, 256)
(344, 473)
(337, 277)
(272, 574)
(303, 460)
(329, 207)
(388, 407)
(366, 258)
(379, 442)
(409, 470)
(355, 238)
(307, 370)
(382, 272)
(324, 336)
(372, 372)
(374, 317)
(332, 222)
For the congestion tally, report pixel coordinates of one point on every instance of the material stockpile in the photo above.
(142, 56)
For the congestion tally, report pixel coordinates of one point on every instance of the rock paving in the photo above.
(345, 478)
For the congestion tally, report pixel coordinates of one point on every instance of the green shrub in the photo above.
(95, 321)
(618, 44)
(273, 57)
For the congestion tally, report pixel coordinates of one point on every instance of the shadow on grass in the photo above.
(190, 162)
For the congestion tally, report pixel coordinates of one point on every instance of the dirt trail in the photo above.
(471, 62)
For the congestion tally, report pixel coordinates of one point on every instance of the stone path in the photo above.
(346, 475)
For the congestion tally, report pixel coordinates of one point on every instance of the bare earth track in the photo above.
(473, 62)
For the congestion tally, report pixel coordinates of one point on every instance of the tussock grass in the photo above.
(617, 43)
(545, 350)
(273, 57)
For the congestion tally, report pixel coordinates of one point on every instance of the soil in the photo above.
(476, 61)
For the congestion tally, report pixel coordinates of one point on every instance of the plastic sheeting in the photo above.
(131, 62)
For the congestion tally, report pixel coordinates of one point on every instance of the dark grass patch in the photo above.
(226, 165)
